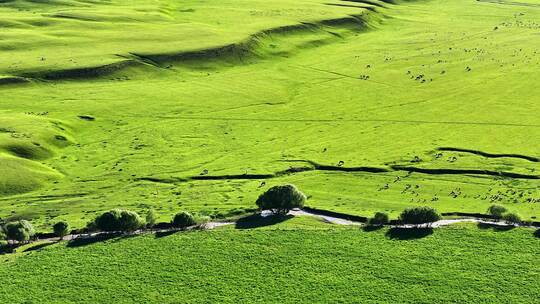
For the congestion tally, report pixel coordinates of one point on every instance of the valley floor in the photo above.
(301, 260)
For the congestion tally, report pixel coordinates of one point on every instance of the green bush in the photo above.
(151, 218)
(130, 221)
(91, 226)
(419, 215)
(183, 219)
(512, 218)
(281, 199)
(108, 221)
(496, 211)
(61, 229)
(119, 220)
(379, 219)
(21, 231)
(202, 221)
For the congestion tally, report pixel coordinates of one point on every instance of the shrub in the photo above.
(119, 220)
(512, 218)
(108, 221)
(130, 221)
(183, 219)
(21, 231)
(91, 226)
(151, 217)
(379, 219)
(202, 221)
(281, 199)
(496, 211)
(61, 229)
(419, 215)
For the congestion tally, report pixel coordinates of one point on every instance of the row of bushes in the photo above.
(500, 212)
(278, 200)
(281, 199)
(426, 215)
(129, 221)
(409, 216)
(116, 220)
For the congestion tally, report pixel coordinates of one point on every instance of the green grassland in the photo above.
(298, 261)
(120, 104)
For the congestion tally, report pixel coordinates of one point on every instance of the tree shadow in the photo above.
(7, 248)
(405, 234)
(256, 220)
(84, 241)
(370, 228)
(495, 227)
(160, 234)
(38, 246)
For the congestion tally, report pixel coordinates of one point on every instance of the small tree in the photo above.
(21, 231)
(130, 221)
(512, 218)
(379, 219)
(119, 220)
(61, 229)
(183, 219)
(419, 215)
(108, 221)
(281, 199)
(202, 221)
(91, 226)
(151, 218)
(497, 211)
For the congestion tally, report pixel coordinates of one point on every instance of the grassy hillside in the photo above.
(300, 260)
(422, 102)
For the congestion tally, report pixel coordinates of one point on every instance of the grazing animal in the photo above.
(204, 172)
(341, 163)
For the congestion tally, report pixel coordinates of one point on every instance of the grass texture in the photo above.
(364, 105)
(298, 261)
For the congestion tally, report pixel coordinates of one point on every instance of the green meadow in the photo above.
(298, 261)
(364, 105)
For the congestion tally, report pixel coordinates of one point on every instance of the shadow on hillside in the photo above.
(38, 246)
(256, 221)
(160, 234)
(495, 227)
(89, 240)
(5, 248)
(370, 228)
(405, 234)
(537, 233)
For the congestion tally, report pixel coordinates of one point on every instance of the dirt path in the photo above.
(69, 237)
(326, 218)
(299, 212)
(441, 223)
